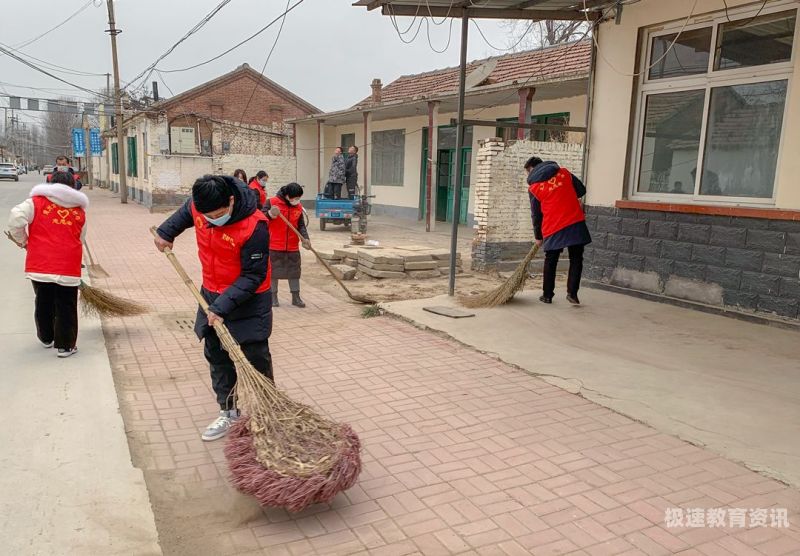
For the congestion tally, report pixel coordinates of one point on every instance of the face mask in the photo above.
(219, 221)
(294, 202)
(63, 168)
(263, 183)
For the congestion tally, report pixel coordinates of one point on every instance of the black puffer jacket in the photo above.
(247, 314)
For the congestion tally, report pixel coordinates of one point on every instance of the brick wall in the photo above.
(503, 229)
(744, 263)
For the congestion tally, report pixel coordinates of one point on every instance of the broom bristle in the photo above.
(102, 303)
(503, 293)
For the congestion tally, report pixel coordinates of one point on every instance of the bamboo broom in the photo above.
(506, 291)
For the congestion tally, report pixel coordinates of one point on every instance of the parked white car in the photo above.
(8, 171)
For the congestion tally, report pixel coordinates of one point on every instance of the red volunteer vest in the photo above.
(262, 195)
(560, 205)
(281, 238)
(54, 239)
(219, 249)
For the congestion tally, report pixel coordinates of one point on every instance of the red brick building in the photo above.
(237, 120)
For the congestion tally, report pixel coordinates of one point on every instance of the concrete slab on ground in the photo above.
(68, 483)
(730, 385)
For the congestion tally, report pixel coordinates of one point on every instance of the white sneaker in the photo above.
(221, 425)
(63, 353)
(46, 346)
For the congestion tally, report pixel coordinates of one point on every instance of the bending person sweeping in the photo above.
(51, 225)
(232, 242)
(284, 245)
(558, 222)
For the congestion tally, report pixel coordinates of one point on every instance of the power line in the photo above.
(237, 45)
(40, 70)
(49, 65)
(199, 25)
(36, 38)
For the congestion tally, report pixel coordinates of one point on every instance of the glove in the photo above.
(274, 211)
(306, 243)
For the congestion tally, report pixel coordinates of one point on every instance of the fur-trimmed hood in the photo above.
(61, 194)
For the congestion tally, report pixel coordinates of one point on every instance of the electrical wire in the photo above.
(199, 25)
(237, 45)
(509, 49)
(745, 22)
(662, 57)
(40, 70)
(449, 36)
(23, 44)
(264, 67)
(49, 65)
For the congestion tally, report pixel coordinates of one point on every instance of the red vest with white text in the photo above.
(220, 247)
(560, 205)
(54, 239)
(281, 238)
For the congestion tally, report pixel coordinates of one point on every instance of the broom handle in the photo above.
(222, 330)
(320, 259)
(89, 253)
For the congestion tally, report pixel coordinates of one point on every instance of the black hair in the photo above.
(533, 162)
(291, 190)
(261, 174)
(210, 193)
(356, 148)
(64, 178)
(64, 157)
(239, 172)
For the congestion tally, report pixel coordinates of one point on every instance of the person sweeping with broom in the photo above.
(284, 245)
(558, 223)
(233, 246)
(51, 226)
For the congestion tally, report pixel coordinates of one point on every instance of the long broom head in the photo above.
(102, 303)
(506, 291)
(283, 453)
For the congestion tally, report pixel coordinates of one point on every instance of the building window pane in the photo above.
(744, 131)
(753, 42)
(671, 141)
(688, 56)
(114, 158)
(388, 157)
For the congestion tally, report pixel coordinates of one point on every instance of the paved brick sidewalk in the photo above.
(462, 454)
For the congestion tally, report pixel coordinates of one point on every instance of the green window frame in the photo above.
(133, 162)
(114, 158)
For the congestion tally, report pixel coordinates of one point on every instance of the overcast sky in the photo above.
(328, 53)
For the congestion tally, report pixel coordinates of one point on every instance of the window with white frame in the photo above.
(388, 157)
(713, 97)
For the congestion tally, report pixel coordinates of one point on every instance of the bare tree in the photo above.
(58, 128)
(526, 35)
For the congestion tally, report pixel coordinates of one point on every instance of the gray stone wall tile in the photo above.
(789, 287)
(744, 259)
(782, 265)
(664, 230)
(689, 270)
(728, 236)
(737, 298)
(760, 283)
(633, 262)
(647, 246)
(676, 250)
(662, 266)
(728, 278)
(619, 243)
(767, 240)
(694, 233)
(779, 305)
(634, 227)
(708, 254)
(611, 224)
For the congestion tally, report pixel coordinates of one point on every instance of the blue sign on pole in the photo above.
(78, 142)
(95, 142)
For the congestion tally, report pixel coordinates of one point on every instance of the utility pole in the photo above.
(113, 31)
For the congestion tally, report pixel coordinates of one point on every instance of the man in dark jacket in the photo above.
(63, 165)
(351, 171)
(232, 243)
(558, 222)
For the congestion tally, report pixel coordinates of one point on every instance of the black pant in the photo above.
(351, 190)
(575, 270)
(333, 190)
(223, 371)
(56, 314)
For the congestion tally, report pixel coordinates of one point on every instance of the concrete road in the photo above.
(730, 385)
(68, 485)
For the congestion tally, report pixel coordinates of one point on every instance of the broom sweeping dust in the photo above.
(354, 297)
(100, 302)
(281, 452)
(506, 291)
